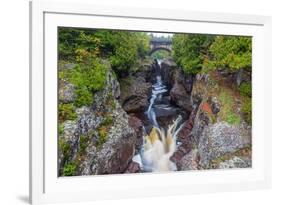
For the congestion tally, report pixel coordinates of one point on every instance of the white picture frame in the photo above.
(46, 187)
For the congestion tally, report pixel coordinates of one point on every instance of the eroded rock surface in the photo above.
(134, 93)
(100, 139)
(219, 139)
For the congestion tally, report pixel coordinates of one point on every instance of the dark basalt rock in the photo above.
(133, 167)
(180, 97)
(137, 126)
(134, 93)
(168, 67)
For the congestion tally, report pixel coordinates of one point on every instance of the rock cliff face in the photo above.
(168, 68)
(219, 137)
(136, 88)
(180, 96)
(116, 153)
(216, 134)
(180, 83)
(100, 139)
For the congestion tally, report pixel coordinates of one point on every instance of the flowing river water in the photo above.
(160, 144)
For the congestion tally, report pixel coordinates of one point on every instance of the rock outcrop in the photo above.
(215, 135)
(181, 88)
(118, 150)
(133, 167)
(168, 67)
(137, 126)
(66, 92)
(181, 97)
(219, 132)
(100, 139)
(219, 139)
(134, 93)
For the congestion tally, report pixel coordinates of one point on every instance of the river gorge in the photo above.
(150, 116)
(157, 125)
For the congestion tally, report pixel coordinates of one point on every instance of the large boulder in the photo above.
(181, 97)
(134, 93)
(185, 79)
(118, 150)
(133, 167)
(221, 138)
(189, 161)
(168, 67)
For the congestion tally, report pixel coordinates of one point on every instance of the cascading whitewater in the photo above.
(157, 90)
(159, 145)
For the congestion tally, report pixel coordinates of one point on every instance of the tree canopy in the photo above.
(230, 52)
(197, 52)
(122, 48)
(88, 47)
(189, 50)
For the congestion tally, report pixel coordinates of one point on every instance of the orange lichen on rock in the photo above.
(206, 107)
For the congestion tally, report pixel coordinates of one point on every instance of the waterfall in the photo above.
(160, 144)
(157, 90)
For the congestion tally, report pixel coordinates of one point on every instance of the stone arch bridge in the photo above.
(160, 44)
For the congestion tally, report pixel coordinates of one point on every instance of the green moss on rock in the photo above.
(69, 169)
(245, 89)
(65, 148)
(83, 143)
(247, 109)
(66, 112)
(102, 136)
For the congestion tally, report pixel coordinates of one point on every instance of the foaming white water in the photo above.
(157, 90)
(158, 147)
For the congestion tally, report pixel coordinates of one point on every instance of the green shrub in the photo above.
(69, 169)
(64, 74)
(60, 128)
(103, 129)
(110, 101)
(66, 112)
(227, 108)
(245, 89)
(233, 118)
(122, 48)
(65, 148)
(102, 136)
(88, 78)
(75, 44)
(247, 110)
(189, 51)
(83, 143)
(108, 120)
(83, 97)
